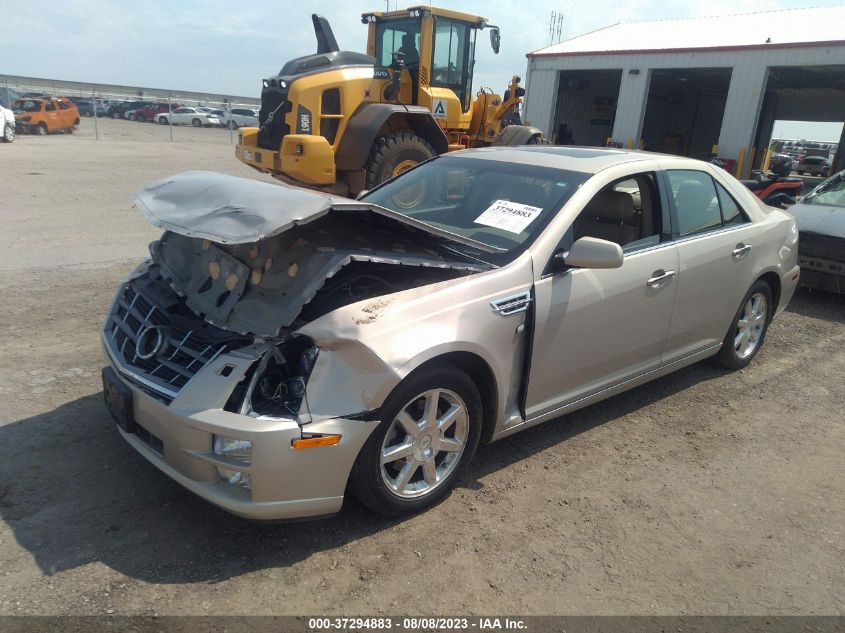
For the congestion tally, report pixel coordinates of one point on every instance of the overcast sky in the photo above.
(226, 46)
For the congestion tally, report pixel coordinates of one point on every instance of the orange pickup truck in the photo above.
(44, 115)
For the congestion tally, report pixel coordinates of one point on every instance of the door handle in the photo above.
(741, 250)
(659, 276)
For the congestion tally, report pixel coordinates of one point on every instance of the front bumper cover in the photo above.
(285, 483)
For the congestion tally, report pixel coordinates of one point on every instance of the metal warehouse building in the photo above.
(682, 86)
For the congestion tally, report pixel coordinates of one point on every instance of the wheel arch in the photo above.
(772, 279)
(370, 119)
(481, 375)
(517, 135)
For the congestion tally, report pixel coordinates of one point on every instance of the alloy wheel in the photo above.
(751, 325)
(424, 444)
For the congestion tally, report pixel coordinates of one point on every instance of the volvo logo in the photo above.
(151, 342)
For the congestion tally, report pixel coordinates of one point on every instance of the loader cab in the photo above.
(438, 47)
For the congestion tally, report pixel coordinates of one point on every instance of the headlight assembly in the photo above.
(277, 386)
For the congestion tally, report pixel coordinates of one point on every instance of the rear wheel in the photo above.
(748, 329)
(430, 428)
(8, 133)
(196, 123)
(395, 153)
(115, 115)
(232, 124)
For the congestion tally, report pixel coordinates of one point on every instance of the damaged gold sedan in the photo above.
(281, 346)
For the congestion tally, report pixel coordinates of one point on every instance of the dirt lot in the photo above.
(702, 493)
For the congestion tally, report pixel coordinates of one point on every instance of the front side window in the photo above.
(64, 105)
(451, 67)
(398, 36)
(50, 107)
(502, 204)
(626, 212)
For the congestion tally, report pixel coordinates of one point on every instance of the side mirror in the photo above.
(362, 193)
(495, 39)
(590, 252)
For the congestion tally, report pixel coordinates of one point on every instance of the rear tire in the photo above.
(394, 151)
(232, 125)
(115, 115)
(8, 133)
(748, 329)
(430, 456)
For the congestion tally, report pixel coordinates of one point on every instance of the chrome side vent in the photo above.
(512, 304)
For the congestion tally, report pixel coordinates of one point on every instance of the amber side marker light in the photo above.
(314, 442)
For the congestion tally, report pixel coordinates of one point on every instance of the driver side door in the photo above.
(597, 328)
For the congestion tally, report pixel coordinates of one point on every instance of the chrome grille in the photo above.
(183, 354)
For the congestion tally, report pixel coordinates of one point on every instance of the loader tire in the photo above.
(394, 153)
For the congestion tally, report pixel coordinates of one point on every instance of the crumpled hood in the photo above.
(234, 210)
(228, 209)
(818, 218)
(248, 255)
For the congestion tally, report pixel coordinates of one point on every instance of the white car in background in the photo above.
(189, 116)
(240, 117)
(7, 125)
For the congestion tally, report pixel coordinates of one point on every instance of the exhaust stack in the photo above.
(326, 43)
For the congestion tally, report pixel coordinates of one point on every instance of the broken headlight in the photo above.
(278, 385)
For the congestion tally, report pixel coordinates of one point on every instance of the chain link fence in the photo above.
(127, 114)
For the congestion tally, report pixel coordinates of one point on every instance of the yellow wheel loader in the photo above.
(344, 122)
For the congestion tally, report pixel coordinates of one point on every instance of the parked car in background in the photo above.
(189, 116)
(240, 117)
(86, 106)
(45, 115)
(118, 110)
(152, 111)
(283, 346)
(814, 166)
(7, 125)
(821, 246)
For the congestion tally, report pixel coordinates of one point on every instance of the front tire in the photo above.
(431, 425)
(395, 153)
(162, 120)
(140, 118)
(196, 123)
(8, 133)
(748, 328)
(41, 129)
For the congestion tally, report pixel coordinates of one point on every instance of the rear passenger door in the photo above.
(715, 240)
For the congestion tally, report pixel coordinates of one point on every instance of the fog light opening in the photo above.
(234, 477)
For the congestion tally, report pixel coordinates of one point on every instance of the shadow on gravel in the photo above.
(73, 492)
(818, 304)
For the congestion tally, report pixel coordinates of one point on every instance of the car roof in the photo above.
(572, 158)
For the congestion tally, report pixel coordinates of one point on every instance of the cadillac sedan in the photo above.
(282, 346)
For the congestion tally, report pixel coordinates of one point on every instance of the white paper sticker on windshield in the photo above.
(509, 216)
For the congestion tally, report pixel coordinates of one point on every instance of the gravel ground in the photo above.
(704, 492)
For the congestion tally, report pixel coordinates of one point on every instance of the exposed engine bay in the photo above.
(199, 297)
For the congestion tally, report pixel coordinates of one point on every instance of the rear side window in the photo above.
(50, 107)
(731, 212)
(696, 202)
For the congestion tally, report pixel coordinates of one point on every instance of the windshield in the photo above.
(505, 205)
(831, 193)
